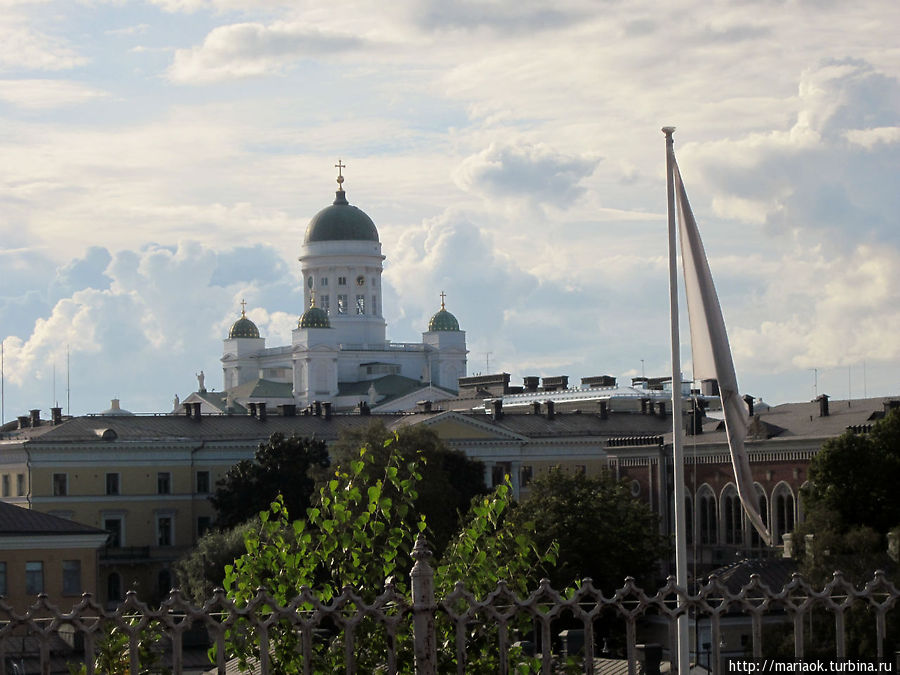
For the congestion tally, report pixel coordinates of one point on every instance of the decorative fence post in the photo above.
(424, 608)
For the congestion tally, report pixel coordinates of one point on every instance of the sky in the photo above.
(161, 159)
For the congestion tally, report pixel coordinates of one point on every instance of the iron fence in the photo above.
(425, 634)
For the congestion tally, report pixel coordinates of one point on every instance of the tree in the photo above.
(449, 481)
(850, 504)
(356, 535)
(855, 476)
(602, 531)
(282, 466)
(202, 570)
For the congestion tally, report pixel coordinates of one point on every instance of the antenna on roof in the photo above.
(2, 384)
(68, 390)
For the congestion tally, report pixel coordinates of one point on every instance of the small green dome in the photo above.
(314, 317)
(341, 222)
(243, 328)
(443, 321)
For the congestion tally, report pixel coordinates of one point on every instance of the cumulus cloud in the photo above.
(137, 323)
(254, 49)
(535, 173)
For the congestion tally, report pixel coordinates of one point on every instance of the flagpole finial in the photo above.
(668, 131)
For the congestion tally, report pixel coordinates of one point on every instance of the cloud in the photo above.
(22, 47)
(142, 322)
(535, 173)
(254, 49)
(522, 16)
(41, 94)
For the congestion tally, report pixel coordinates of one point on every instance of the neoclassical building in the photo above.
(339, 353)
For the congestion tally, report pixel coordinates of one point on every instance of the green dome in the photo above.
(341, 222)
(314, 317)
(243, 328)
(444, 321)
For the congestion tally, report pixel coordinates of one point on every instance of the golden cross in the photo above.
(339, 166)
(243, 305)
(443, 295)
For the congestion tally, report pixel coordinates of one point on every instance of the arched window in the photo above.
(706, 511)
(785, 510)
(689, 518)
(732, 516)
(763, 504)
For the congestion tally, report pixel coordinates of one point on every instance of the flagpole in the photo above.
(677, 432)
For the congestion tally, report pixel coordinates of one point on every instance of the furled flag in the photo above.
(711, 353)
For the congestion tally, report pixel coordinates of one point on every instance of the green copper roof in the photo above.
(314, 317)
(243, 328)
(341, 222)
(443, 320)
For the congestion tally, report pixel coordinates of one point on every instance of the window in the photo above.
(34, 577)
(6, 485)
(203, 523)
(112, 483)
(706, 506)
(2, 578)
(360, 304)
(342, 281)
(20, 484)
(324, 303)
(60, 484)
(342, 304)
(309, 282)
(733, 515)
(114, 587)
(323, 281)
(526, 473)
(164, 527)
(116, 529)
(375, 304)
(71, 577)
(202, 482)
(164, 483)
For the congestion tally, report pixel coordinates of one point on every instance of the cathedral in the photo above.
(339, 354)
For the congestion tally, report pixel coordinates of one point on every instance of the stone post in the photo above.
(423, 607)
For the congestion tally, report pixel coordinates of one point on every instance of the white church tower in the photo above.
(339, 351)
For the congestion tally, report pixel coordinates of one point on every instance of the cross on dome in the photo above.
(443, 295)
(243, 306)
(340, 166)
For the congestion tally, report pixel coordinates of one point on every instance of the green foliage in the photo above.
(282, 466)
(449, 480)
(854, 478)
(360, 532)
(114, 652)
(202, 570)
(602, 531)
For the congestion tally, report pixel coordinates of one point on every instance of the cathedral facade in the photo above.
(339, 353)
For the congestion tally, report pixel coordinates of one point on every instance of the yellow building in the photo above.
(41, 553)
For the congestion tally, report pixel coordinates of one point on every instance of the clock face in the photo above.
(360, 280)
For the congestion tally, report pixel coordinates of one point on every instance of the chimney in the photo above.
(251, 409)
(288, 409)
(748, 399)
(497, 409)
(56, 415)
(36, 417)
(196, 411)
(551, 412)
(187, 409)
(823, 405)
(604, 410)
(424, 406)
(364, 409)
(326, 410)
(531, 383)
(536, 407)
(23, 421)
(261, 411)
(644, 402)
(661, 407)
(317, 408)
(709, 387)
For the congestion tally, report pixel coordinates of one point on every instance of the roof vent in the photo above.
(823, 405)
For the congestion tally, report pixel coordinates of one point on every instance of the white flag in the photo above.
(711, 353)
